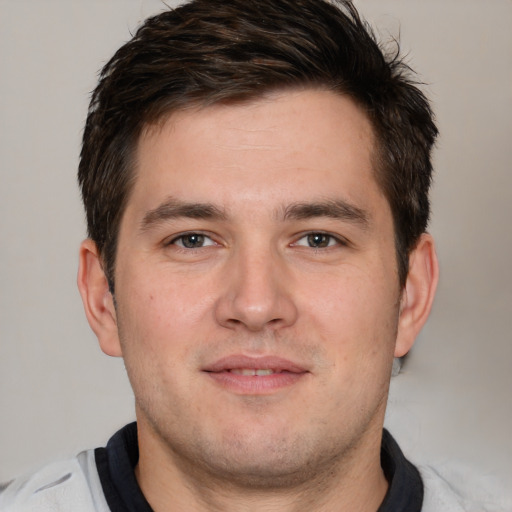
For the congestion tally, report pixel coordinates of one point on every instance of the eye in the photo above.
(318, 240)
(192, 241)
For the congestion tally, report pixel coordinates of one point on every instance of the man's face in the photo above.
(256, 286)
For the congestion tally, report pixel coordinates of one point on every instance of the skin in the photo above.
(257, 230)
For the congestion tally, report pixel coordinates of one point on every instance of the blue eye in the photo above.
(192, 241)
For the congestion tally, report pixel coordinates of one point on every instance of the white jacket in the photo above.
(74, 486)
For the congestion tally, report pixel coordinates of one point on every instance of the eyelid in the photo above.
(174, 238)
(339, 240)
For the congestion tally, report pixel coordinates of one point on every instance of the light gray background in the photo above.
(60, 394)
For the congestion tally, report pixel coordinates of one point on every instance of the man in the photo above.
(255, 177)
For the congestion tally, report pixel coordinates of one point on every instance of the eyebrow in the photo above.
(335, 209)
(174, 209)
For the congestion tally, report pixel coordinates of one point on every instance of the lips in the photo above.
(238, 363)
(255, 375)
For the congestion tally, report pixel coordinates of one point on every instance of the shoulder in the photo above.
(71, 484)
(455, 488)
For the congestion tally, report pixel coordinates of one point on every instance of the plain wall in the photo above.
(59, 394)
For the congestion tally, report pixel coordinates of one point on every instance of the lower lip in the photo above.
(255, 384)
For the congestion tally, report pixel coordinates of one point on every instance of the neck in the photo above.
(171, 483)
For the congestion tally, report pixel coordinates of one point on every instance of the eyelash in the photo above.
(332, 240)
(183, 236)
(338, 241)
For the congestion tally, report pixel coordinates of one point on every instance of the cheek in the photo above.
(161, 299)
(356, 319)
(161, 321)
(156, 326)
(355, 302)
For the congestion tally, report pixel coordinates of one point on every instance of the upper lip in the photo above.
(277, 364)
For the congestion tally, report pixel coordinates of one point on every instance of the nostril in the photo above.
(255, 298)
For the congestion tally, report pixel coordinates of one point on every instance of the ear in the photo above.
(418, 294)
(97, 299)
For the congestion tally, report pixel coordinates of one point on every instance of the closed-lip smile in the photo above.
(255, 375)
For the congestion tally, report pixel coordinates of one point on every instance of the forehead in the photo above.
(304, 143)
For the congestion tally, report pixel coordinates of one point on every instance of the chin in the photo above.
(270, 472)
(269, 462)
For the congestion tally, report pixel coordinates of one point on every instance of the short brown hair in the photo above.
(217, 51)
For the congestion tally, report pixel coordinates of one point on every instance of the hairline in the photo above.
(155, 123)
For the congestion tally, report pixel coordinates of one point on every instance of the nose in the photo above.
(257, 293)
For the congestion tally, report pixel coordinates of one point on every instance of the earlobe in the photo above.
(418, 294)
(97, 299)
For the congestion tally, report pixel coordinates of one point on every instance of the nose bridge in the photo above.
(257, 294)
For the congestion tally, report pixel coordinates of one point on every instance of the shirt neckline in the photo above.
(116, 464)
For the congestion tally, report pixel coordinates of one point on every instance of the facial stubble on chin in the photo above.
(305, 461)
